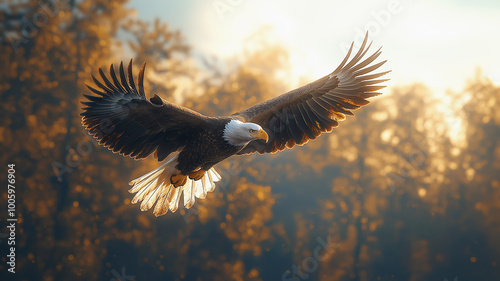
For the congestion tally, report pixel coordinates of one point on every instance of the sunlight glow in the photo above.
(422, 192)
(450, 105)
(494, 75)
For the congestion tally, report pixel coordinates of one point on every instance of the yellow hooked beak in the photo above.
(260, 134)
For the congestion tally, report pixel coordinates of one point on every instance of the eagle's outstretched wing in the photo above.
(304, 113)
(121, 118)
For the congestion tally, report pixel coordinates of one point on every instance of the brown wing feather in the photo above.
(121, 118)
(304, 113)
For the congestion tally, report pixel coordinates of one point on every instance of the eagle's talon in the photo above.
(178, 180)
(197, 175)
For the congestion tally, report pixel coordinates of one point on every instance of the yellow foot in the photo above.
(197, 175)
(178, 180)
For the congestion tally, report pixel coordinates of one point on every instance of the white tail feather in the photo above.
(155, 187)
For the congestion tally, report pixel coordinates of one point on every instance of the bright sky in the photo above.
(439, 43)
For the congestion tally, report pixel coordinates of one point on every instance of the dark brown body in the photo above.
(206, 147)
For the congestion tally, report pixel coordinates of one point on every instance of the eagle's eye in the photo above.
(251, 131)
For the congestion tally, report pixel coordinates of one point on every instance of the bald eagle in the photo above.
(189, 144)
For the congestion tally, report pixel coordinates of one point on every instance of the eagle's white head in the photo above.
(238, 133)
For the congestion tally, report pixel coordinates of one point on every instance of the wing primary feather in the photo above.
(373, 88)
(373, 76)
(341, 65)
(356, 57)
(372, 82)
(140, 80)
(363, 55)
(100, 85)
(97, 92)
(89, 104)
(369, 69)
(369, 95)
(92, 98)
(131, 78)
(367, 61)
(107, 82)
(123, 78)
(115, 80)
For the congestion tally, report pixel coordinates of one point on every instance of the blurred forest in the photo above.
(406, 190)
